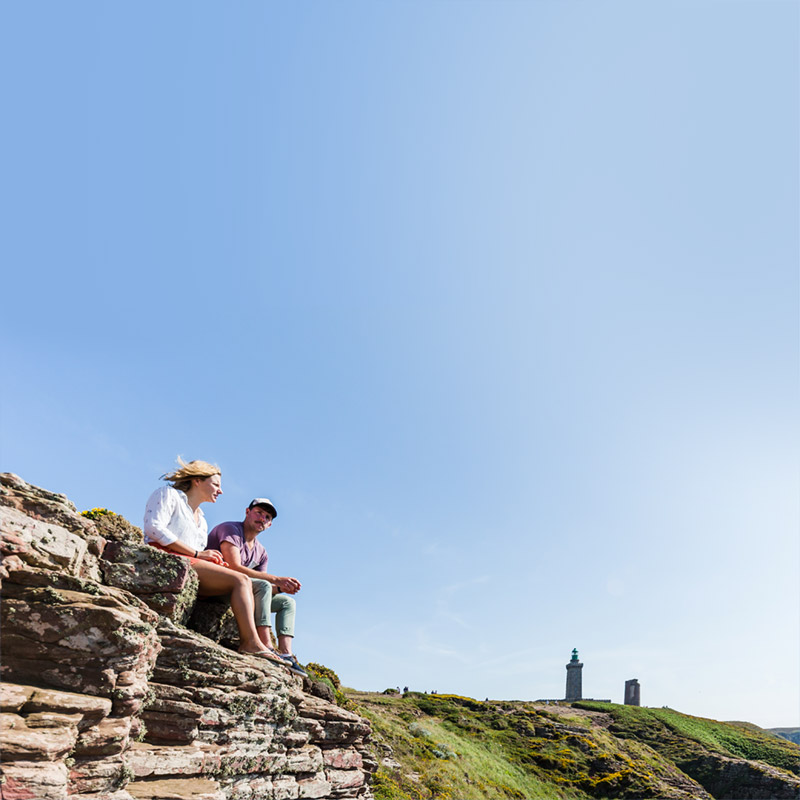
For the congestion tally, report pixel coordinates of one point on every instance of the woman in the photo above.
(174, 522)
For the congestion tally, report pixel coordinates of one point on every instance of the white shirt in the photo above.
(169, 518)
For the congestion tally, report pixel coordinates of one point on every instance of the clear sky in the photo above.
(497, 301)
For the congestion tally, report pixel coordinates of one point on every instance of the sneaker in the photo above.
(293, 664)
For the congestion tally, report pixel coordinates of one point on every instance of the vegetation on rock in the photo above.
(318, 673)
(114, 527)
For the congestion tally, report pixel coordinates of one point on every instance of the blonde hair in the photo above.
(181, 479)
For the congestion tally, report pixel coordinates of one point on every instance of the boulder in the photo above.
(165, 583)
(47, 545)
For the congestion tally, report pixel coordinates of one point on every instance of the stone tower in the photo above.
(632, 692)
(574, 679)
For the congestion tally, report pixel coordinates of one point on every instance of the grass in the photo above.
(480, 767)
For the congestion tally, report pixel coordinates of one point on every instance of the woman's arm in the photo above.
(157, 514)
(206, 555)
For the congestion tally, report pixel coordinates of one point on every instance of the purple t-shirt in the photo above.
(253, 557)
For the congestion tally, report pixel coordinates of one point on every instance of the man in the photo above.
(238, 543)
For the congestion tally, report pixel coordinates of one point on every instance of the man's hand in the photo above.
(288, 585)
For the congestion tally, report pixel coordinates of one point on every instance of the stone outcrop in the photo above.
(106, 696)
(164, 583)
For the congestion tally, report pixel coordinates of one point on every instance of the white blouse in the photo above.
(169, 518)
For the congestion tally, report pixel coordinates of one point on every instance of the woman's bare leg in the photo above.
(215, 580)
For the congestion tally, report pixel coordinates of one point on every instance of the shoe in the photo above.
(292, 663)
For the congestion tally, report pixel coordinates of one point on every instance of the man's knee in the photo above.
(284, 601)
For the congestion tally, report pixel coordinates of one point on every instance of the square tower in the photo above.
(632, 692)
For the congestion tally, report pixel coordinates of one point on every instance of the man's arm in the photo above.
(231, 553)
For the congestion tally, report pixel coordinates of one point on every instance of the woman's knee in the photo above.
(241, 582)
(220, 578)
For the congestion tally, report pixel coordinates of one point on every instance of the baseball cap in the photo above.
(264, 503)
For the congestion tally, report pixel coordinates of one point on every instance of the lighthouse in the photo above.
(574, 678)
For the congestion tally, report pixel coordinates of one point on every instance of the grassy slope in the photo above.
(741, 740)
(456, 748)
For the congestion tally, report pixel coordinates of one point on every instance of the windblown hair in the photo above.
(181, 478)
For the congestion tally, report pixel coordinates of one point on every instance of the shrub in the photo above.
(320, 671)
(415, 729)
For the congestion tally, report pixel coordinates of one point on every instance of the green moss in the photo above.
(245, 706)
(49, 593)
(126, 775)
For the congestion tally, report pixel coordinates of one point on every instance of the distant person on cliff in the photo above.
(238, 543)
(174, 522)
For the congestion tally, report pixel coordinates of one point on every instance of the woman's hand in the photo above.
(212, 555)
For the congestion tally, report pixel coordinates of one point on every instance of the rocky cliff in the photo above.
(106, 694)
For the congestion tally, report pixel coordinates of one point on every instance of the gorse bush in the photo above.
(320, 671)
(323, 674)
(97, 513)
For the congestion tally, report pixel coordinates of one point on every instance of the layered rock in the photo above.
(107, 696)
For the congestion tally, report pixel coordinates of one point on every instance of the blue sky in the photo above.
(497, 301)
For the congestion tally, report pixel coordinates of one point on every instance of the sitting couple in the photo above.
(228, 561)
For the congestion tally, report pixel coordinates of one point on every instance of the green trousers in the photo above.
(282, 605)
